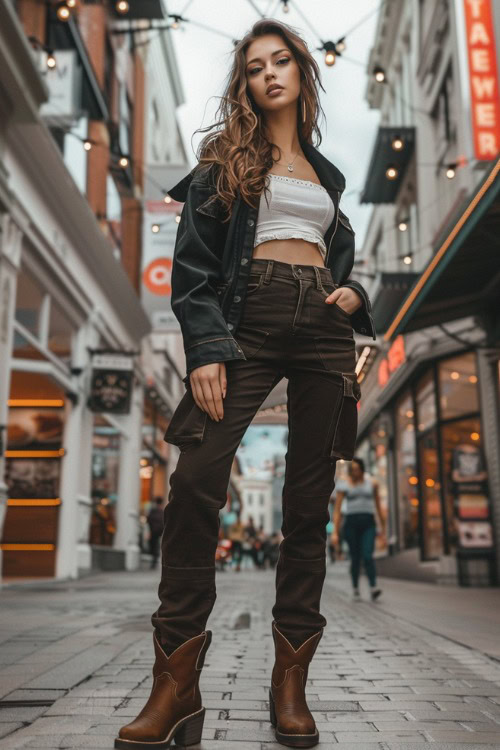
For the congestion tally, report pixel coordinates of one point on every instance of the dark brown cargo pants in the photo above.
(286, 330)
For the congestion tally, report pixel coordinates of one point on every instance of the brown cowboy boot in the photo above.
(290, 715)
(173, 709)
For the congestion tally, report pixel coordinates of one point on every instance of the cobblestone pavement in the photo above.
(76, 659)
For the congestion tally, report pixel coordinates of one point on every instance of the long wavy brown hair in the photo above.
(239, 149)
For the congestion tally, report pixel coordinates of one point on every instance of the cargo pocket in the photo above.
(188, 423)
(343, 429)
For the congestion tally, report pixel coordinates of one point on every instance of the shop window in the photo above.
(60, 333)
(466, 485)
(458, 386)
(407, 475)
(426, 402)
(104, 481)
(430, 489)
(29, 300)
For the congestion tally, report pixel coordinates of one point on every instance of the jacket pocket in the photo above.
(342, 432)
(188, 423)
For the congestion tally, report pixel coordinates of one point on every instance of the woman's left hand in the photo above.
(347, 299)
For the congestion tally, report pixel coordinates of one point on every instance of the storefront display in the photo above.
(104, 481)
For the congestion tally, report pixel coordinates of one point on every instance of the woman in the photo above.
(359, 530)
(261, 290)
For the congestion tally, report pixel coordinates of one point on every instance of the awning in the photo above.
(378, 188)
(463, 276)
(389, 290)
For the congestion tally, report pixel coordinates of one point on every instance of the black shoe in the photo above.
(375, 594)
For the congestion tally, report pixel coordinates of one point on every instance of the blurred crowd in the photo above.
(245, 546)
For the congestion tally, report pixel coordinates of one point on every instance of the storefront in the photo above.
(429, 426)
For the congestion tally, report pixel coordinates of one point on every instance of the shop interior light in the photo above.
(123, 162)
(27, 547)
(122, 6)
(430, 482)
(413, 480)
(34, 501)
(397, 143)
(409, 413)
(391, 172)
(40, 402)
(379, 74)
(472, 378)
(34, 454)
(63, 12)
(474, 436)
(455, 375)
(71, 3)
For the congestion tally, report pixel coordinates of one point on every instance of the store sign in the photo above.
(157, 261)
(63, 83)
(396, 356)
(111, 384)
(483, 75)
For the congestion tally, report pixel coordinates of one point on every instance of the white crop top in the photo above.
(297, 209)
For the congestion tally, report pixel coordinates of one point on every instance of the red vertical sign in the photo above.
(483, 75)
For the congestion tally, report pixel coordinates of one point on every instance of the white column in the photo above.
(74, 487)
(10, 253)
(127, 511)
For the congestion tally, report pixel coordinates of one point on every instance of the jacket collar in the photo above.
(329, 175)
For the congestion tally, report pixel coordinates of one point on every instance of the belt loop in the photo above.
(319, 285)
(269, 271)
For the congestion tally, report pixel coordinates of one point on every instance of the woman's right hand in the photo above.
(208, 385)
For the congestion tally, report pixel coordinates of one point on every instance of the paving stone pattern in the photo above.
(76, 660)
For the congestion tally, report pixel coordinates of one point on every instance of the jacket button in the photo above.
(237, 299)
(250, 222)
(244, 261)
(230, 326)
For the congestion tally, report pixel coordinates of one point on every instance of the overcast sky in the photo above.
(349, 126)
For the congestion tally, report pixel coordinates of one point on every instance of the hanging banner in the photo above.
(111, 384)
(159, 233)
(483, 76)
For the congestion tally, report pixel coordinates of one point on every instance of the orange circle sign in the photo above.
(157, 275)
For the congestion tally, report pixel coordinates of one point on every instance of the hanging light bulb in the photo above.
(330, 58)
(407, 259)
(51, 61)
(403, 225)
(167, 199)
(71, 3)
(391, 172)
(330, 52)
(176, 22)
(87, 145)
(178, 218)
(397, 143)
(155, 228)
(63, 12)
(341, 45)
(379, 74)
(122, 6)
(451, 171)
(123, 162)
(285, 8)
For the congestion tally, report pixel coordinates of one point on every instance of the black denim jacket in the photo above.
(212, 261)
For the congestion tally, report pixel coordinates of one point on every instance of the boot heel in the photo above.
(272, 709)
(190, 732)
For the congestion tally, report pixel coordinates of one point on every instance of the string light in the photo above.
(123, 162)
(87, 145)
(341, 45)
(391, 172)
(122, 6)
(63, 12)
(379, 74)
(403, 225)
(397, 143)
(51, 61)
(167, 199)
(407, 259)
(176, 22)
(155, 228)
(451, 171)
(71, 3)
(285, 7)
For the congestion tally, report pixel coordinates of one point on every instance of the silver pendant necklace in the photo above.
(289, 165)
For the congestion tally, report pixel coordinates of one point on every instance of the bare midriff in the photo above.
(292, 250)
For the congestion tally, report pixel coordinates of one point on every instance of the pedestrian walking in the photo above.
(155, 523)
(261, 290)
(236, 534)
(362, 500)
